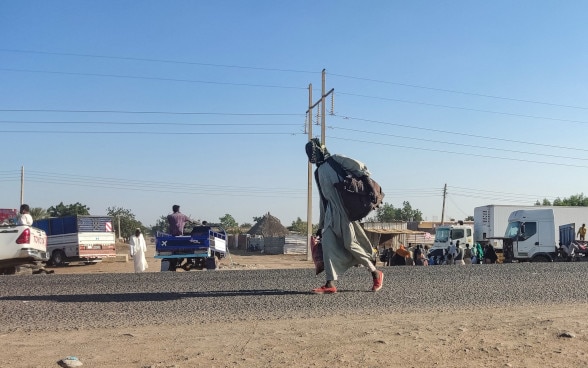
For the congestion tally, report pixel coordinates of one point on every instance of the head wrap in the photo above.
(317, 153)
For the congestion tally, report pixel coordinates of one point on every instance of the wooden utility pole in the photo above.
(309, 193)
(323, 138)
(21, 185)
(323, 128)
(443, 210)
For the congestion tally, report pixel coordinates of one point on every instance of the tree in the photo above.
(574, 200)
(161, 225)
(38, 213)
(229, 223)
(301, 227)
(469, 218)
(387, 213)
(62, 210)
(126, 219)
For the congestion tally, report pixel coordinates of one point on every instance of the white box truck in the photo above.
(533, 235)
(490, 221)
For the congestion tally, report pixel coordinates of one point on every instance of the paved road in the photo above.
(52, 302)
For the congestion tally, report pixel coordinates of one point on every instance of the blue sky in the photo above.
(146, 104)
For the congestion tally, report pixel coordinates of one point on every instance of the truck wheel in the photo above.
(540, 259)
(211, 263)
(57, 258)
(8, 271)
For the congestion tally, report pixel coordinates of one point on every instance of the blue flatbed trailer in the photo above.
(200, 249)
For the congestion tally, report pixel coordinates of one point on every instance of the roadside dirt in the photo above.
(538, 336)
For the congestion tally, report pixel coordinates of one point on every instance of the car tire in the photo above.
(58, 258)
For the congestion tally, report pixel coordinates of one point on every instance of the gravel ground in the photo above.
(69, 302)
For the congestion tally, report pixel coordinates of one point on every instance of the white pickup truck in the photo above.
(21, 245)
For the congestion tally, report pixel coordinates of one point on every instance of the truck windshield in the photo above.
(512, 231)
(442, 235)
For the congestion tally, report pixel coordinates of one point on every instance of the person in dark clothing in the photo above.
(490, 255)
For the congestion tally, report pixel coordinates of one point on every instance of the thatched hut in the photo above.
(270, 235)
(268, 226)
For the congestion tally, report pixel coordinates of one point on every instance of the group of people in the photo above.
(456, 255)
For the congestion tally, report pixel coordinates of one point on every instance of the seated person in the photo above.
(177, 220)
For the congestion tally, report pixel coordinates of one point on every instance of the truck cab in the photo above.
(444, 234)
(530, 236)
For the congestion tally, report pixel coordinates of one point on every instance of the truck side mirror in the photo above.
(523, 229)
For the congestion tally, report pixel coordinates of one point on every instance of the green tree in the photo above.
(469, 218)
(301, 226)
(387, 213)
(229, 224)
(126, 219)
(62, 210)
(38, 213)
(161, 225)
(575, 200)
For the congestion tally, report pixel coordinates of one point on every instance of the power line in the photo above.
(151, 112)
(464, 108)
(458, 153)
(181, 62)
(158, 61)
(167, 124)
(148, 78)
(458, 92)
(147, 133)
(461, 144)
(458, 133)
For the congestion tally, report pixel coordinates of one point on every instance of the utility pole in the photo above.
(21, 185)
(324, 78)
(323, 138)
(443, 210)
(309, 193)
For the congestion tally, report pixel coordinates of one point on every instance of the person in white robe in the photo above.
(138, 250)
(344, 242)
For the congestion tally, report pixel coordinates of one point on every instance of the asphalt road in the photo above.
(53, 302)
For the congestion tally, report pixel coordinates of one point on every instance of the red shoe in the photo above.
(325, 290)
(378, 281)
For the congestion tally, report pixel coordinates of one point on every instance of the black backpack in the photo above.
(360, 195)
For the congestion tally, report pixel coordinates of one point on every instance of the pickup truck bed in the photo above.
(200, 249)
(21, 245)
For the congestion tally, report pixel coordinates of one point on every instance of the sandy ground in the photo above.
(539, 336)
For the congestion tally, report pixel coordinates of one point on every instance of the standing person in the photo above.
(479, 253)
(582, 232)
(490, 255)
(177, 220)
(138, 250)
(459, 254)
(467, 254)
(25, 218)
(344, 242)
(450, 255)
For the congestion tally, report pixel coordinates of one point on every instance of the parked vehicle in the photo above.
(540, 235)
(199, 249)
(445, 234)
(87, 239)
(490, 221)
(21, 245)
